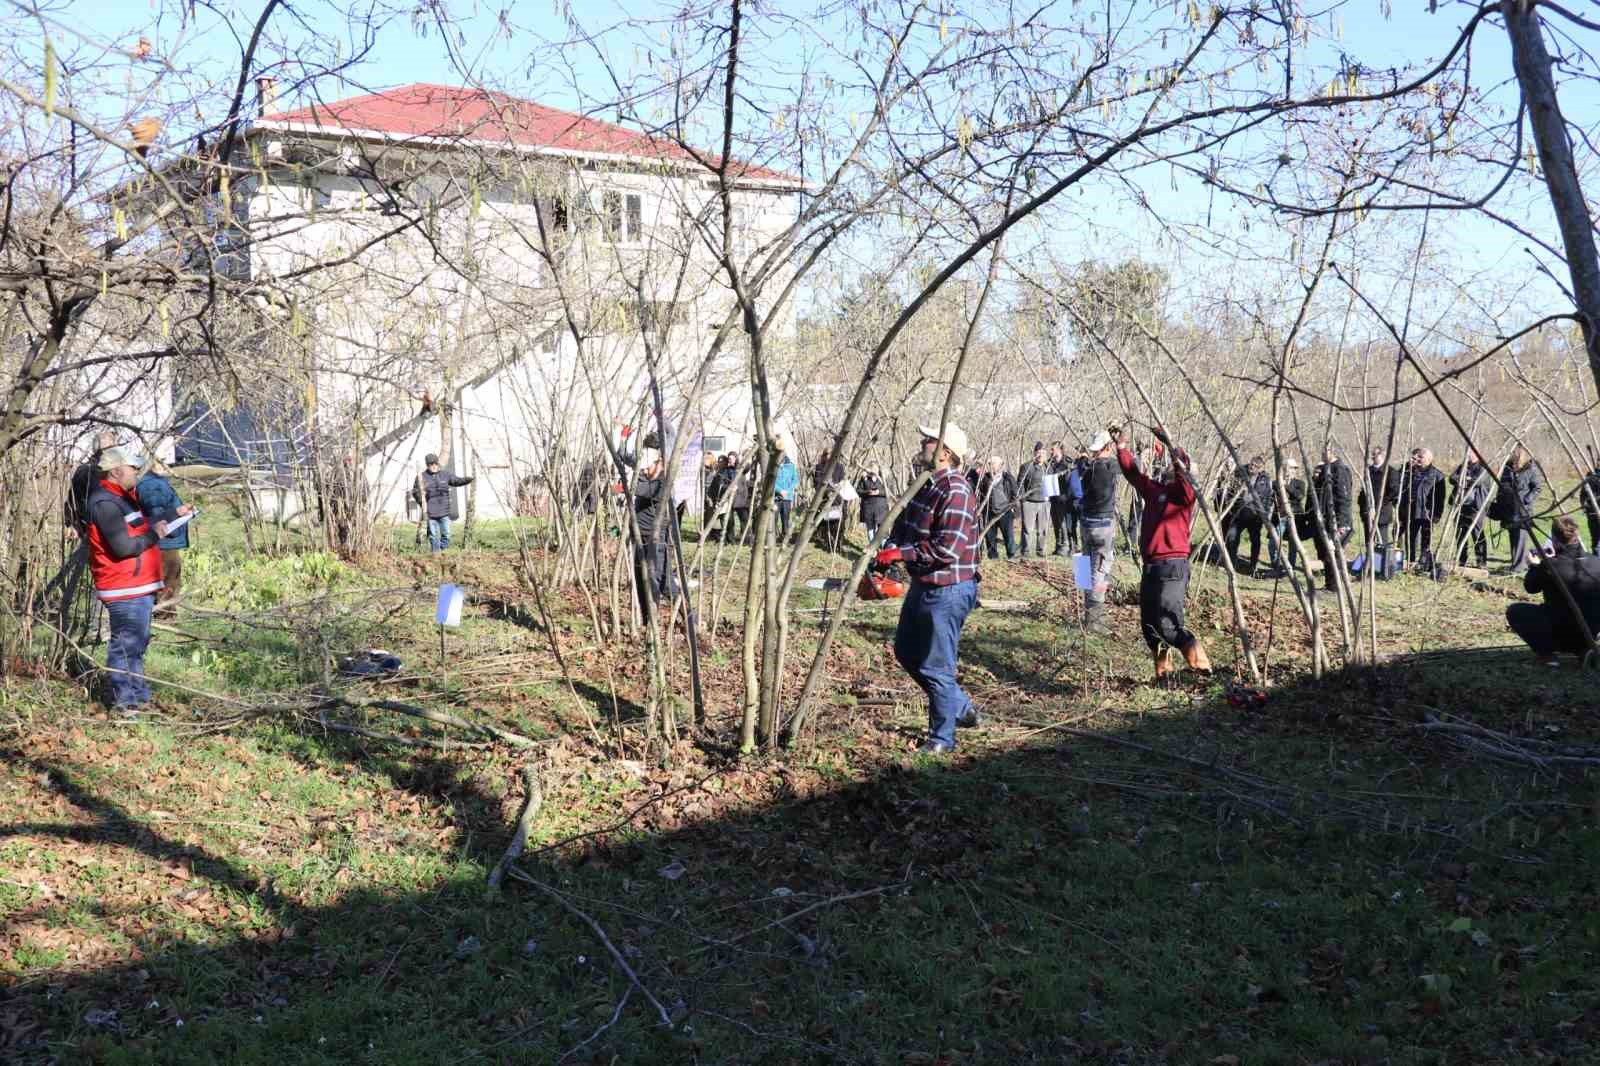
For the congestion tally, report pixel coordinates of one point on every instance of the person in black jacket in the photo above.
(997, 500)
(1421, 505)
(432, 494)
(1330, 485)
(1063, 519)
(1252, 492)
(1550, 628)
(650, 560)
(1294, 488)
(1473, 487)
(874, 501)
(1513, 505)
(1380, 492)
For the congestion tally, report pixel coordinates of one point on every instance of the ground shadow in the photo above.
(1287, 884)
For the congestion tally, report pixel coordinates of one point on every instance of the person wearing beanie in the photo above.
(1164, 524)
(936, 537)
(432, 493)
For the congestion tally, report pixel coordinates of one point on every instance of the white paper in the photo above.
(179, 522)
(846, 491)
(1082, 572)
(833, 514)
(448, 611)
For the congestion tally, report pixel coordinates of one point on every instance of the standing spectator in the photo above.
(1380, 491)
(744, 482)
(1519, 487)
(1421, 505)
(1590, 491)
(997, 491)
(824, 476)
(650, 561)
(1072, 500)
(1253, 503)
(1099, 526)
(1550, 628)
(1166, 518)
(874, 501)
(125, 559)
(1473, 487)
(1035, 502)
(711, 479)
(432, 493)
(937, 538)
(1290, 523)
(1330, 484)
(160, 499)
(1060, 502)
(784, 488)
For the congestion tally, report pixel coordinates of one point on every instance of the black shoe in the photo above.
(935, 747)
(970, 720)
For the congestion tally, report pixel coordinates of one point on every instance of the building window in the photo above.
(621, 216)
(713, 445)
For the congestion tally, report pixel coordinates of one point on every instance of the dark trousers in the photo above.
(1162, 592)
(1325, 552)
(738, 522)
(1242, 524)
(130, 636)
(1001, 526)
(1519, 545)
(1471, 533)
(1532, 622)
(927, 643)
(651, 568)
(1419, 541)
(784, 507)
(1594, 534)
(1063, 524)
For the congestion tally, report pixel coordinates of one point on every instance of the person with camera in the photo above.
(1552, 628)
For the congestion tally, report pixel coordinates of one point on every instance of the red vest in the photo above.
(120, 579)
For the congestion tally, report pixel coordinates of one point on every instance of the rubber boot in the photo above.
(1195, 656)
(1163, 658)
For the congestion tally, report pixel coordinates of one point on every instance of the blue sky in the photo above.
(1111, 224)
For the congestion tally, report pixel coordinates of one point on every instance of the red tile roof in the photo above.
(443, 111)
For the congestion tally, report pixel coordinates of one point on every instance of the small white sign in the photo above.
(451, 597)
(1082, 572)
(1052, 484)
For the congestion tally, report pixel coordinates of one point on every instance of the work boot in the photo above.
(1195, 656)
(1163, 657)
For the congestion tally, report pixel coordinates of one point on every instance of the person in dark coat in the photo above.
(997, 496)
(1380, 492)
(1519, 487)
(1473, 487)
(1294, 489)
(1550, 628)
(1330, 485)
(432, 493)
(824, 476)
(650, 491)
(1252, 505)
(1100, 479)
(1063, 520)
(874, 501)
(160, 498)
(1421, 505)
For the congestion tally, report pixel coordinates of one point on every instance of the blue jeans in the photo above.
(1288, 546)
(439, 533)
(130, 636)
(927, 642)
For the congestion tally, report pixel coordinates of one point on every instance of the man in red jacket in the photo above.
(1164, 543)
(125, 559)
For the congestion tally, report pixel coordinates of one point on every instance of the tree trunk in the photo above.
(1532, 65)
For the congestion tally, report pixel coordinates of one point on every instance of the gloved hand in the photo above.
(889, 555)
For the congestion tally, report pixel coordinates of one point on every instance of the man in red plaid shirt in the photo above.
(937, 539)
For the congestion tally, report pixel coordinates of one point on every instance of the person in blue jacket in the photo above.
(160, 502)
(784, 488)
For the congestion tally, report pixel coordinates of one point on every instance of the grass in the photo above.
(1108, 872)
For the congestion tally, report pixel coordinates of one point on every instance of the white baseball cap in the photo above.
(954, 437)
(1101, 439)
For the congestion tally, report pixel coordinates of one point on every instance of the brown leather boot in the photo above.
(1195, 656)
(1163, 657)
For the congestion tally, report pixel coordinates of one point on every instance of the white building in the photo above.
(499, 260)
